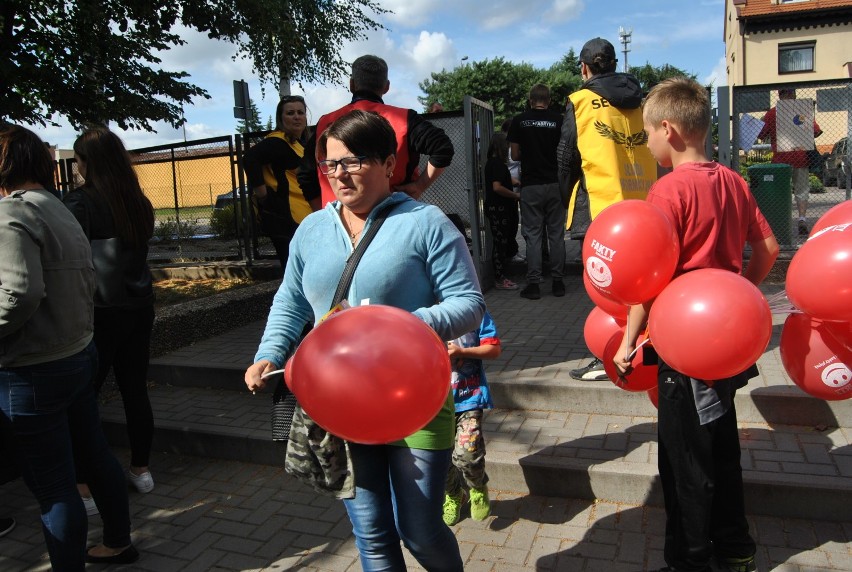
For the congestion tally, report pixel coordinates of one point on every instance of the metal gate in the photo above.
(814, 126)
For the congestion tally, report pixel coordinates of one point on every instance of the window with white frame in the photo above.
(795, 58)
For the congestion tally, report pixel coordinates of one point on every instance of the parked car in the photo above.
(836, 165)
(227, 199)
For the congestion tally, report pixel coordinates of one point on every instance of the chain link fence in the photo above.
(203, 207)
(791, 143)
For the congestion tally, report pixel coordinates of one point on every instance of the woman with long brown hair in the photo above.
(118, 220)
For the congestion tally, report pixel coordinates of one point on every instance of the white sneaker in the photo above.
(91, 507)
(144, 483)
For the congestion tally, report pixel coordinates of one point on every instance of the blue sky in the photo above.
(422, 36)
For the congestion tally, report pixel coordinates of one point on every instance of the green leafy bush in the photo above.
(170, 229)
(815, 184)
(222, 222)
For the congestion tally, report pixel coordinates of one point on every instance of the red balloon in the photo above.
(642, 378)
(615, 309)
(630, 251)
(819, 279)
(842, 332)
(838, 214)
(371, 374)
(599, 328)
(710, 324)
(288, 373)
(654, 396)
(815, 361)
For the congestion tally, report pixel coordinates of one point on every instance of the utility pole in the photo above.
(625, 37)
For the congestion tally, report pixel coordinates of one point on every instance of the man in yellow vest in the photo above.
(602, 154)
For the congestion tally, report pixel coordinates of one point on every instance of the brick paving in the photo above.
(213, 514)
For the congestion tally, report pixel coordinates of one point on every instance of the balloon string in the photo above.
(271, 373)
(636, 349)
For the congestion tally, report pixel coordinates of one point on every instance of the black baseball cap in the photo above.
(597, 48)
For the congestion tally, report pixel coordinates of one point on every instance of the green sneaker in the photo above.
(452, 508)
(480, 505)
(740, 564)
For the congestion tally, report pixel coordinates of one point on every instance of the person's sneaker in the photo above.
(739, 564)
(531, 292)
(91, 507)
(803, 228)
(144, 483)
(505, 284)
(480, 505)
(558, 288)
(452, 508)
(592, 372)
(7, 525)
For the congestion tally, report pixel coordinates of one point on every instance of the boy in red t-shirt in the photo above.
(714, 215)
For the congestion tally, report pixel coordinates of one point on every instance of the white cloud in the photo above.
(564, 10)
(430, 52)
(719, 76)
(411, 14)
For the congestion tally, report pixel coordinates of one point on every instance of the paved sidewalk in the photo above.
(225, 516)
(208, 514)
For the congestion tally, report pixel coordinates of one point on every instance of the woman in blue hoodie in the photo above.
(419, 262)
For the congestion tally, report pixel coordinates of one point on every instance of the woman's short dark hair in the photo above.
(24, 158)
(365, 133)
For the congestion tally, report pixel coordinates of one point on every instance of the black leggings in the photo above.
(123, 339)
(504, 227)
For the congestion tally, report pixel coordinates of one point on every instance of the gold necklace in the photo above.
(353, 236)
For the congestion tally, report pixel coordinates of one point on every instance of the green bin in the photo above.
(770, 185)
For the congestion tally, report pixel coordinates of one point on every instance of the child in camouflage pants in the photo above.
(471, 396)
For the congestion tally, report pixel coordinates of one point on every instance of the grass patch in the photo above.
(176, 290)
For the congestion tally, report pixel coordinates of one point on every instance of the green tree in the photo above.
(255, 124)
(95, 61)
(505, 85)
(502, 84)
(649, 75)
(563, 78)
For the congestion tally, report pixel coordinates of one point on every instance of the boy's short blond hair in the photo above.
(681, 101)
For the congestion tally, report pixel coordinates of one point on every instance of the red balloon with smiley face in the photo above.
(814, 359)
(630, 252)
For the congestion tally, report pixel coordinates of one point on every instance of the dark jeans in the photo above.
(542, 211)
(54, 417)
(123, 339)
(502, 234)
(702, 480)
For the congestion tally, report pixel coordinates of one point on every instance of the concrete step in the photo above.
(789, 471)
(757, 403)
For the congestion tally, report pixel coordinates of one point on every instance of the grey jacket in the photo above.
(47, 281)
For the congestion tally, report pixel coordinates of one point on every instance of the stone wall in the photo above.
(186, 323)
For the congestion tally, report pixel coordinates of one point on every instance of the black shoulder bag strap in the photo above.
(283, 401)
(357, 254)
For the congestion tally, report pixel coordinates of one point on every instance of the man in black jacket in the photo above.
(415, 135)
(602, 154)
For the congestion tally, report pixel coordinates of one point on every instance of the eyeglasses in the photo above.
(349, 164)
(289, 98)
